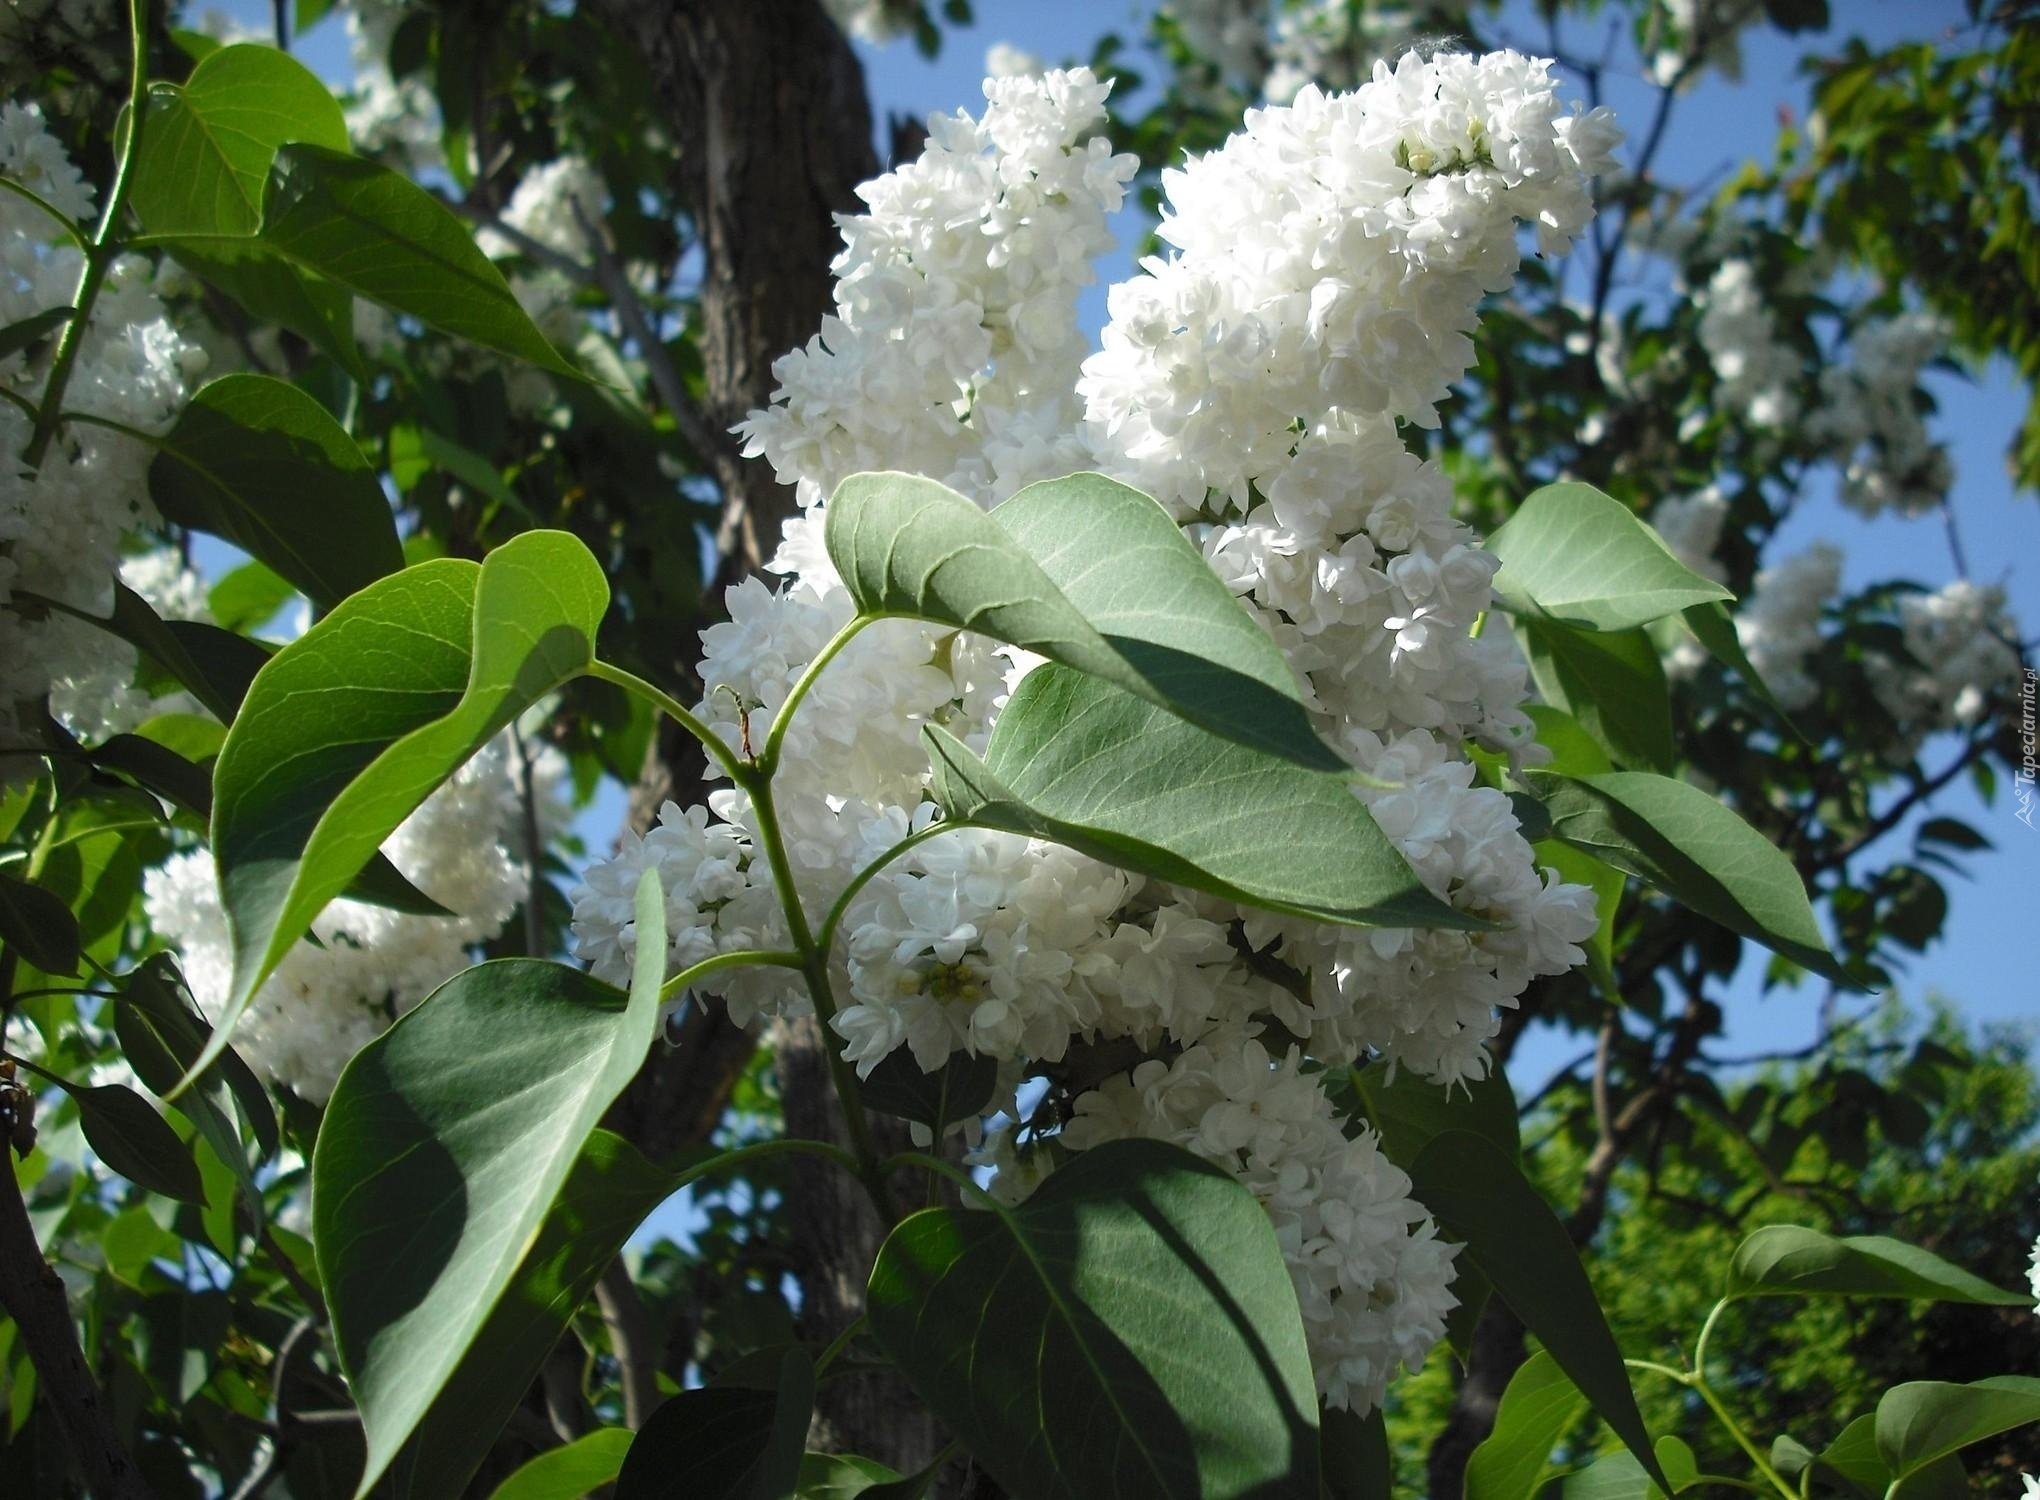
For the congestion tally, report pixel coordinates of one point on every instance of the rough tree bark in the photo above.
(767, 107)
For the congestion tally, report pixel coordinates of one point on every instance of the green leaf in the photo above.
(273, 290)
(447, 1140)
(1076, 760)
(1130, 1329)
(381, 236)
(32, 330)
(36, 924)
(1618, 1476)
(162, 1034)
(1574, 752)
(1851, 1461)
(608, 1194)
(1355, 1454)
(215, 665)
(718, 1436)
(1580, 557)
(250, 596)
(1714, 628)
(1538, 1408)
(1409, 1110)
(126, 1133)
(352, 726)
(1924, 1420)
(1695, 850)
(207, 150)
(1612, 684)
(1786, 1260)
(1086, 572)
(263, 465)
(841, 1476)
(133, 1241)
(568, 1473)
(959, 1090)
(1479, 1196)
(159, 769)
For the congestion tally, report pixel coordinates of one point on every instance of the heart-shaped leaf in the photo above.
(1695, 850)
(1480, 1197)
(958, 1090)
(1084, 571)
(349, 728)
(1584, 558)
(261, 464)
(1130, 1329)
(580, 1468)
(1925, 1420)
(733, 1442)
(1538, 1408)
(1076, 760)
(447, 1140)
(1787, 1260)
(209, 142)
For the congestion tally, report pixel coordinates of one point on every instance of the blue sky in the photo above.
(1986, 957)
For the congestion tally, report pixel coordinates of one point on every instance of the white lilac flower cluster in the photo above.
(1756, 368)
(394, 118)
(1328, 264)
(1779, 622)
(1960, 641)
(1870, 417)
(61, 526)
(1274, 52)
(465, 847)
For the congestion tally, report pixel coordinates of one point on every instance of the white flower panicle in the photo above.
(61, 527)
(1327, 269)
(464, 847)
(1779, 623)
(1756, 368)
(1960, 641)
(1870, 417)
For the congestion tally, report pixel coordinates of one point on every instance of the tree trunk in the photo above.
(767, 107)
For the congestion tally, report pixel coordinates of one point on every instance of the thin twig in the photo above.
(630, 1339)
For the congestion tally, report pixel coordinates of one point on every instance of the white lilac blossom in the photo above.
(62, 526)
(1273, 52)
(2033, 1278)
(1327, 268)
(1779, 623)
(1870, 417)
(550, 206)
(465, 847)
(1756, 369)
(1960, 641)
(1691, 526)
(394, 118)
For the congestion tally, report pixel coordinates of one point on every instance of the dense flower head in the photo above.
(62, 525)
(1326, 270)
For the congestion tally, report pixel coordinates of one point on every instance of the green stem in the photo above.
(99, 255)
(73, 230)
(941, 1168)
(769, 760)
(826, 939)
(693, 974)
(20, 403)
(1665, 1370)
(1698, 1381)
(815, 965)
(674, 709)
(785, 1145)
(838, 1344)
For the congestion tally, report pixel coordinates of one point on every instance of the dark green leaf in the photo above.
(273, 290)
(209, 143)
(1409, 1110)
(348, 729)
(1786, 1260)
(1078, 761)
(580, 1468)
(37, 924)
(447, 1140)
(1924, 1420)
(1612, 684)
(126, 1133)
(1695, 850)
(1538, 1408)
(383, 237)
(31, 331)
(1086, 572)
(1580, 557)
(959, 1090)
(1355, 1455)
(263, 465)
(1714, 628)
(160, 770)
(1129, 1329)
(715, 1435)
(1479, 1196)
